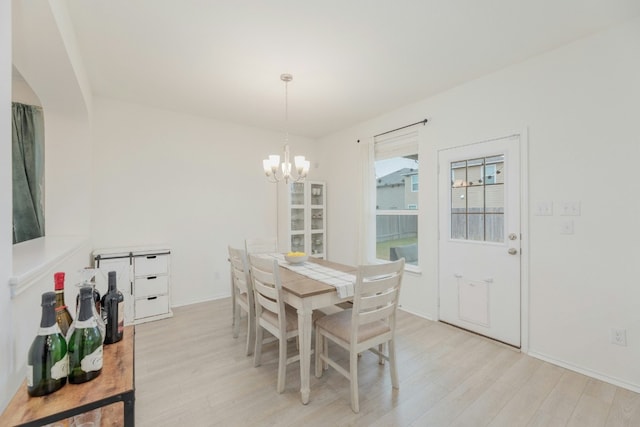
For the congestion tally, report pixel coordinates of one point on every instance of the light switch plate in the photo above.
(570, 208)
(544, 209)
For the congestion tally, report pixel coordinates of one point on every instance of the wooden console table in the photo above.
(115, 384)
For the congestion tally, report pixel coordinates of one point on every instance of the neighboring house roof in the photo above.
(395, 178)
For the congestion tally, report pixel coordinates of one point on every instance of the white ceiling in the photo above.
(351, 60)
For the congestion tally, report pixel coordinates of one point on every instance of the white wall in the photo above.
(580, 105)
(43, 53)
(191, 183)
(6, 364)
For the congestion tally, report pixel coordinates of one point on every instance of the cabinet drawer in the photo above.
(146, 265)
(152, 306)
(151, 285)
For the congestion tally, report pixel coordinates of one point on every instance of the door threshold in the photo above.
(497, 341)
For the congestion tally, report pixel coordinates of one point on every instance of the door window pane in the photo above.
(477, 199)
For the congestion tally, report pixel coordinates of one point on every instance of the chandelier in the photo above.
(276, 171)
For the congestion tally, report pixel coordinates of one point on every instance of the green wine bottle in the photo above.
(47, 361)
(84, 341)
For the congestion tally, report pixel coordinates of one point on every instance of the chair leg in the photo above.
(353, 374)
(392, 364)
(325, 350)
(236, 321)
(318, 350)
(257, 354)
(282, 364)
(251, 333)
(380, 354)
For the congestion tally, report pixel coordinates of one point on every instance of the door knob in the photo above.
(512, 251)
(513, 236)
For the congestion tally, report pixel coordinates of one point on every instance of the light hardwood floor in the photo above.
(190, 371)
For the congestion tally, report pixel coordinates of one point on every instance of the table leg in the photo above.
(129, 409)
(304, 328)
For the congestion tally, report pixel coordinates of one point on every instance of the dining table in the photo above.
(306, 294)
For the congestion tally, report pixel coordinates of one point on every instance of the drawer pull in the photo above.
(150, 298)
(151, 256)
(152, 277)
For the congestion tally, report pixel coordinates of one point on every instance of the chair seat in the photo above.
(291, 317)
(340, 325)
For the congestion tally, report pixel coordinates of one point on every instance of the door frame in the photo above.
(524, 230)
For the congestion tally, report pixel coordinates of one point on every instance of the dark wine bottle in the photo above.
(63, 317)
(84, 341)
(47, 361)
(113, 311)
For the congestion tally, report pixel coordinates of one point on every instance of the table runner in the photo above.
(343, 282)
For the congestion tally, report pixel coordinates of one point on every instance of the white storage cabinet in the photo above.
(143, 278)
(307, 218)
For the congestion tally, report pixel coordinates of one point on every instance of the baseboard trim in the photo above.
(213, 298)
(588, 372)
(415, 313)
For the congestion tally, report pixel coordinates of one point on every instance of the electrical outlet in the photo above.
(619, 337)
(566, 227)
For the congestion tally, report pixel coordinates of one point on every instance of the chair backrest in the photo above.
(240, 273)
(376, 294)
(260, 245)
(267, 288)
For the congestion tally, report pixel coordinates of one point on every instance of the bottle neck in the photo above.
(60, 298)
(112, 281)
(48, 316)
(86, 309)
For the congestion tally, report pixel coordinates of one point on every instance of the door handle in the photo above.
(512, 251)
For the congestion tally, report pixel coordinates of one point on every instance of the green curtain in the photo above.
(28, 172)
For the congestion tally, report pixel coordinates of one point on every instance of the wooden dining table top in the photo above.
(303, 286)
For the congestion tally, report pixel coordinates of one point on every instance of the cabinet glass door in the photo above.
(297, 243)
(317, 219)
(297, 219)
(297, 193)
(317, 243)
(317, 194)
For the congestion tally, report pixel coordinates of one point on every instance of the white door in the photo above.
(479, 248)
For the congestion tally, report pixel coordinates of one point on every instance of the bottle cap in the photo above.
(58, 279)
(48, 299)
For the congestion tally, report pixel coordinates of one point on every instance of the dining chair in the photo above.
(370, 323)
(244, 296)
(272, 314)
(261, 245)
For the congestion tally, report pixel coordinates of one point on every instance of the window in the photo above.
(414, 183)
(397, 205)
(28, 172)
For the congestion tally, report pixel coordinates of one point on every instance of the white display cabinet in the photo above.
(307, 219)
(143, 277)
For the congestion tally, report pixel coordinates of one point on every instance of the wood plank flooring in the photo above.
(190, 371)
